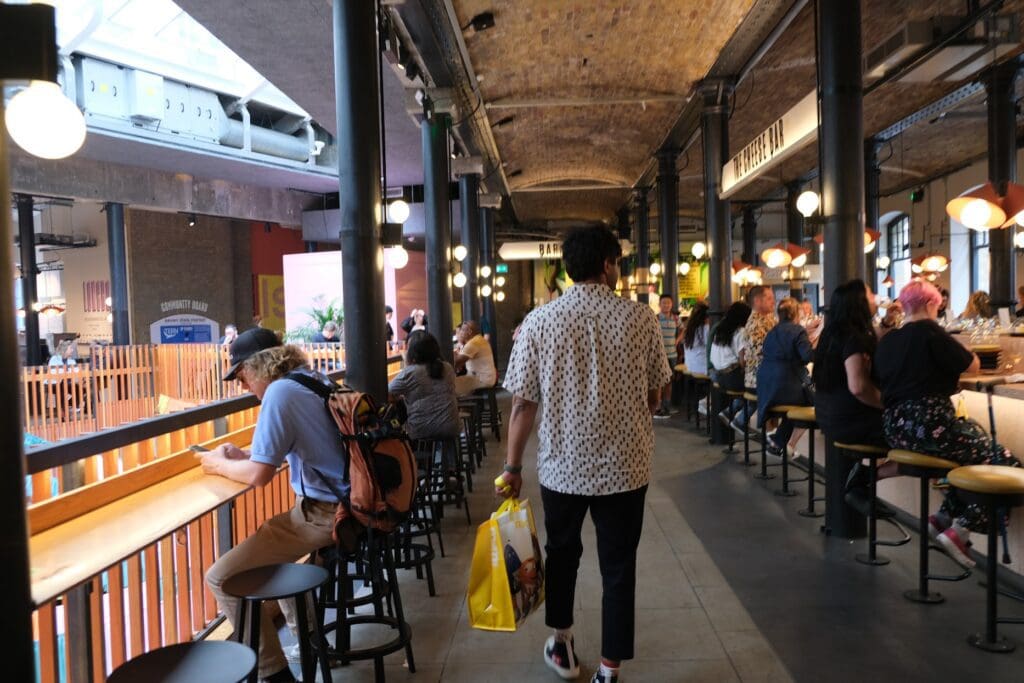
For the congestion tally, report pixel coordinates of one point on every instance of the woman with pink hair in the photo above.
(919, 367)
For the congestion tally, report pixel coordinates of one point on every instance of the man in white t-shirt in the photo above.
(476, 357)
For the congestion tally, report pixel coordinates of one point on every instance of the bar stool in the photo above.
(749, 397)
(806, 418)
(474, 407)
(280, 582)
(201, 661)
(730, 396)
(491, 415)
(860, 451)
(995, 487)
(702, 384)
(780, 411)
(924, 467)
(441, 461)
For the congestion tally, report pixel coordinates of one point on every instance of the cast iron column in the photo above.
(668, 222)
(27, 237)
(841, 157)
(438, 228)
(117, 250)
(469, 203)
(749, 236)
(794, 231)
(714, 123)
(643, 246)
(872, 208)
(1002, 168)
(356, 95)
(16, 626)
(487, 259)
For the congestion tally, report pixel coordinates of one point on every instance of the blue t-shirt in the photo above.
(295, 424)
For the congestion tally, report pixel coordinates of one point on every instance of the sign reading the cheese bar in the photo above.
(785, 136)
(526, 251)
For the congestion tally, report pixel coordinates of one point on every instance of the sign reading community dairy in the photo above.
(782, 138)
(549, 250)
(184, 329)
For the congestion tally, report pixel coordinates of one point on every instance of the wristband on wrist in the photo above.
(513, 469)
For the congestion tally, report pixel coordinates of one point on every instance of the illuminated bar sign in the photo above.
(785, 136)
(529, 251)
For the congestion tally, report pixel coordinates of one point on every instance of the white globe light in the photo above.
(485, 290)
(499, 296)
(883, 261)
(500, 280)
(655, 269)
(459, 280)
(44, 122)
(398, 211)
(684, 268)
(976, 214)
(108, 301)
(698, 250)
(460, 252)
(398, 257)
(807, 203)
(1018, 240)
(485, 271)
(800, 261)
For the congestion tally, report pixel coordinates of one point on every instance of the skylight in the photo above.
(159, 37)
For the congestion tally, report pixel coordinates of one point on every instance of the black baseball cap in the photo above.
(248, 344)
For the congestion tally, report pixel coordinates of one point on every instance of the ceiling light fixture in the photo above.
(807, 203)
(192, 220)
(460, 253)
(684, 268)
(981, 207)
(398, 211)
(776, 256)
(459, 280)
(699, 250)
(799, 255)
(655, 269)
(398, 257)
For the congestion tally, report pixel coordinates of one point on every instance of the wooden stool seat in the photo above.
(802, 414)
(680, 368)
(782, 408)
(735, 393)
(863, 449)
(699, 376)
(749, 396)
(994, 480)
(912, 459)
(204, 661)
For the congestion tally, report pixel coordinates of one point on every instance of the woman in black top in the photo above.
(919, 366)
(782, 376)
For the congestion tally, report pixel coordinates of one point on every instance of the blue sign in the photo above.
(186, 334)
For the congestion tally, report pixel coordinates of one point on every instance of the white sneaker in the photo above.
(561, 657)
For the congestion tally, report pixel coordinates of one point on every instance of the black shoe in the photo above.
(561, 657)
(285, 675)
(858, 480)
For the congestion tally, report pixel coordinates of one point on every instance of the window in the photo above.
(898, 234)
(979, 260)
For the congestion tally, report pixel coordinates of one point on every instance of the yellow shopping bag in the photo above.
(506, 578)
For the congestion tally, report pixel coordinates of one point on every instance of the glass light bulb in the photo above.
(485, 271)
(1018, 240)
(976, 214)
(807, 203)
(499, 296)
(684, 268)
(45, 123)
(799, 261)
(698, 250)
(655, 269)
(882, 261)
(500, 280)
(459, 280)
(460, 252)
(485, 290)
(398, 211)
(398, 257)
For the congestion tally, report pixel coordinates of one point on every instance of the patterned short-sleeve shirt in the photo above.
(757, 328)
(589, 359)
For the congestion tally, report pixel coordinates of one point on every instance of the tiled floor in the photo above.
(690, 625)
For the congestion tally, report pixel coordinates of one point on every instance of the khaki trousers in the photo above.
(283, 538)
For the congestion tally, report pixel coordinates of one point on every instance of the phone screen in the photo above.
(196, 448)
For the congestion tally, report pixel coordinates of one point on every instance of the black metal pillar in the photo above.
(118, 253)
(356, 94)
(438, 229)
(668, 221)
(841, 157)
(1002, 168)
(643, 246)
(749, 236)
(16, 626)
(27, 238)
(487, 251)
(872, 204)
(469, 202)
(794, 232)
(714, 121)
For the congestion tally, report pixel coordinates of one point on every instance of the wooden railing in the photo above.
(118, 563)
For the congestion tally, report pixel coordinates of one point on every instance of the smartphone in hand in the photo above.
(198, 450)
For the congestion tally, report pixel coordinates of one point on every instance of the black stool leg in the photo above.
(991, 642)
(872, 557)
(764, 454)
(305, 656)
(922, 594)
(255, 608)
(785, 491)
(810, 512)
(746, 434)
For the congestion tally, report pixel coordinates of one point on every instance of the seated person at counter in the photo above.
(782, 378)
(293, 425)
(328, 335)
(919, 367)
(979, 305)
(417, 320)
(474, 355)
(1020, 302)
(427, 385)
(726, 359)
(695, 339)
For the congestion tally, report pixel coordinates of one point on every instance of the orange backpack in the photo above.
(381, 471)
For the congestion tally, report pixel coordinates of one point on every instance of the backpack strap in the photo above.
(317, 387)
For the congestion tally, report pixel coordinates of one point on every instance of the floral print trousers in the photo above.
(930, 426)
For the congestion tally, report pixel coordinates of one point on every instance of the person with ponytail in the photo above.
(427, 384)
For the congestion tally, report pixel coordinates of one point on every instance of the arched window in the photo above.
(979, 260)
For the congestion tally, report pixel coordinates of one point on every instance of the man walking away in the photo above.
(668, 321)
(593, 364)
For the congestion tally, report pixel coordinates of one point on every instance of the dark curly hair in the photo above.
(585, 251)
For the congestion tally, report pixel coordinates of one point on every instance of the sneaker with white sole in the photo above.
(956, 547)
(561, 657)
(599, 678)
(738, 423)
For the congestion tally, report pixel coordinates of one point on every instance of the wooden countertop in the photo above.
(1001, 388)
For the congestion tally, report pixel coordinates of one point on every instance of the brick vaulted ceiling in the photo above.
(544, 52)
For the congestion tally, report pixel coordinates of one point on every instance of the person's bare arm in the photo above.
(233, 463)
(460, 362)
(520, 425)
(858, 379)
